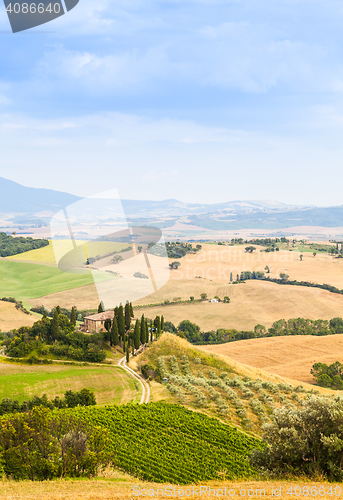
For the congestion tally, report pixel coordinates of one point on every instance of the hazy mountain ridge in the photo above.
(33, 205)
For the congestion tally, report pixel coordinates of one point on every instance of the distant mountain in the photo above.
(16, 198)
(133, 208)
(24, 202)
(271, 219)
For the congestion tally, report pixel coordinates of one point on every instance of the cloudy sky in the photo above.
(198, 100)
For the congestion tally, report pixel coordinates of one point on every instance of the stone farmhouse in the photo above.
(96, 322)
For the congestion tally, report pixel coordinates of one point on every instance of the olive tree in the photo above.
(305, 441)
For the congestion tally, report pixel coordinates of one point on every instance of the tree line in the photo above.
(13, 246)
(282, 327)
(71, 399)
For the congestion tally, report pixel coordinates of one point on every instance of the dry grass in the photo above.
(252, 303)
(291, 357)
(215, 262)
(116, 485)
(83, 297)
(11, 318)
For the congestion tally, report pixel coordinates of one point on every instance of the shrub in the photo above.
(43, 444)
(307, 440)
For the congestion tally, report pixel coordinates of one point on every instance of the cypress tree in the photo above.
(45, 314)
(124, 346)
(127, 316)
(127, 356)
(131, 310)
(151, 332)
(157, 323)
(101, 307)
(231, 277)
(121, 322)
(73, 316)
(162, 323)
(146, 331)
(136, 335)
(58, 309)
(142, 333)
(55, 326)
(133, 349)
(116, 312)
(114, 339)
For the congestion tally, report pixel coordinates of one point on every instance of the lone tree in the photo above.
(314, 254)
(250, 249)
(101, 307)
(175, 264)
(203, 296)
(226, 299)
(301, 256)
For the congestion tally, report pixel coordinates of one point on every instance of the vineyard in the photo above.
(168, 443)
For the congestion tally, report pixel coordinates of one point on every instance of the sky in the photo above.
(198, 100)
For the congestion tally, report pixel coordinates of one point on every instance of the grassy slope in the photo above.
(24, 281)
(172, 345)
(291, 357)
(110, 384)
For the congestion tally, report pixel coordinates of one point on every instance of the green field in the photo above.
(111, 385)
(29, 281)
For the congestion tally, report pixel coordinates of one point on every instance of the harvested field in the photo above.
(11, 318)
(291, 357)
(254, 302)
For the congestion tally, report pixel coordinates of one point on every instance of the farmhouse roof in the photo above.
(101, 316)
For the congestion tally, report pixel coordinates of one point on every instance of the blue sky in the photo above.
(199, 100)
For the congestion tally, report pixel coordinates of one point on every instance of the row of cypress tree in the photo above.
(119, 331)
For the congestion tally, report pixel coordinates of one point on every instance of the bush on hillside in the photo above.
(44, 444)
(328, 375)
(305, 441)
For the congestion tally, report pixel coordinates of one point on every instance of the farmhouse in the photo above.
(96, 322)
(214, 301)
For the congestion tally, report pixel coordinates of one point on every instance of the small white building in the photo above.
(215, 301)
